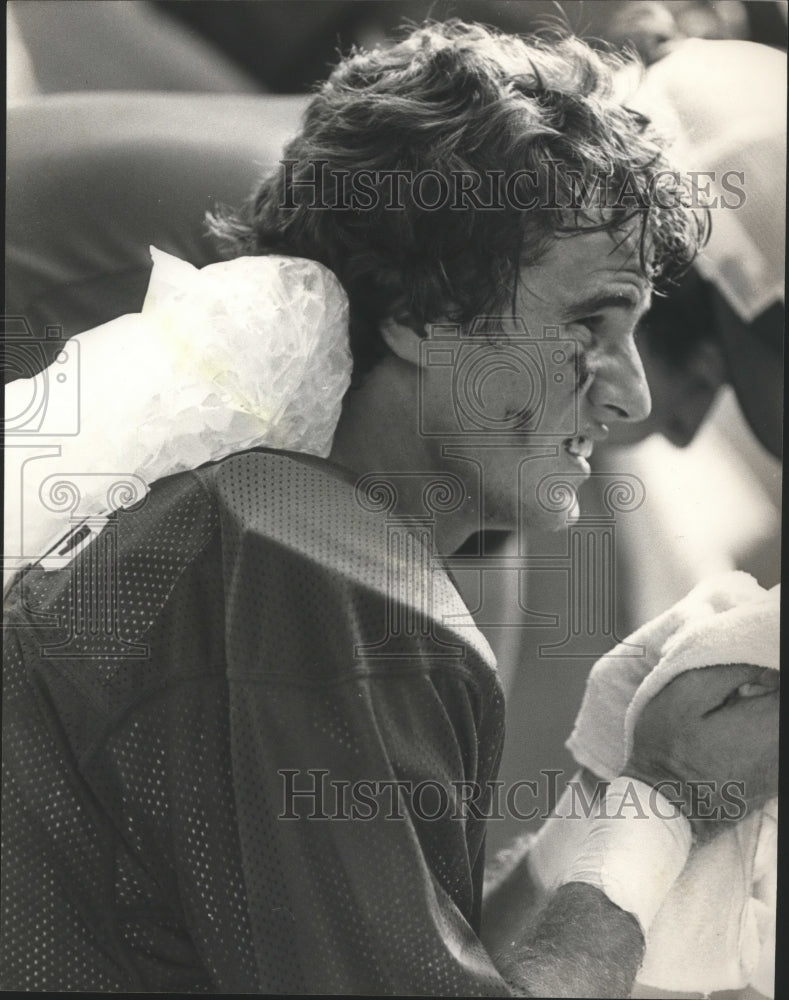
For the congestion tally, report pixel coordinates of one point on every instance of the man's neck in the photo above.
(378, 433)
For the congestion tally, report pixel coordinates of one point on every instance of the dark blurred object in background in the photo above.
(287, 45)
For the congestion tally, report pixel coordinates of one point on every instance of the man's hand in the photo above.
(709, 742)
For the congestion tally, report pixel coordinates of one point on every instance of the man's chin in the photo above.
(539, 517)
(551, 513)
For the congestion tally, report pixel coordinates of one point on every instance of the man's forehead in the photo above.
(588, 265)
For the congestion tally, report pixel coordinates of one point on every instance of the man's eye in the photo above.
(591, 322)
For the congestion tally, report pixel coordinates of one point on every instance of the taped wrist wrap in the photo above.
(633, 850)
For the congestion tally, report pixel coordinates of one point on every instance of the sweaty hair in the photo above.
(454, 99)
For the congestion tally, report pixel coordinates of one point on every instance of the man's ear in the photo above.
(401, 340)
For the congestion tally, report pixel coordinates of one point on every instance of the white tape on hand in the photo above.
(557, 842)
(633, 850)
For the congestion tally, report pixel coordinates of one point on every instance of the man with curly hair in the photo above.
(287, 790)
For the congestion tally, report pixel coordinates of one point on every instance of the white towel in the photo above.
(716, 929)
(744, 633)
(600, 740)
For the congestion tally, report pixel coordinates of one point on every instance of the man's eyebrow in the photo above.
(630, 300)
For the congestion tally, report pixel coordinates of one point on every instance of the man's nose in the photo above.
(620, 386)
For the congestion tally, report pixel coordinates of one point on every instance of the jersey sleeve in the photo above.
(236, 792)
(358, 861)
(360, 782)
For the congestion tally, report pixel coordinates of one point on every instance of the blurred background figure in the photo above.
(725, 102)
(653, 28)
(684, 364)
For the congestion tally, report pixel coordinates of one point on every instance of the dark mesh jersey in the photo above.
(245, 635)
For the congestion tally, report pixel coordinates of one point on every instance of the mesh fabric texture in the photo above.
(146, 736)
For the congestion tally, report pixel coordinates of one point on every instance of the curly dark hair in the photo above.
(455, 98)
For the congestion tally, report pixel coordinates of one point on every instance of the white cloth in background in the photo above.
(716, 929)
(724, 104)
(244, 353)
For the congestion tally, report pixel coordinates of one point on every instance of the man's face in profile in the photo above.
(532, 403)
